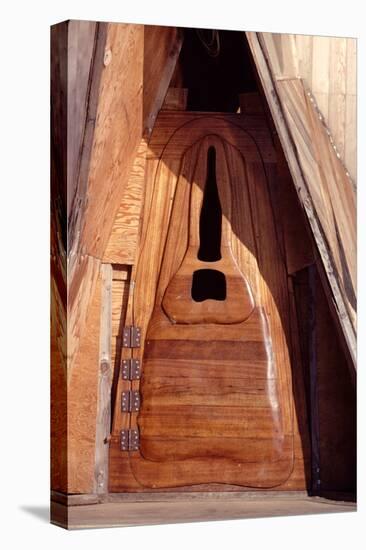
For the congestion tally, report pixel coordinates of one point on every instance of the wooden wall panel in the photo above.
(326, 192)
(327, 66)
(162, 46)
(115, 137)
(117, 133)
(82, 399)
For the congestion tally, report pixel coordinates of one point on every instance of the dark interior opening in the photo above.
(211, 215)
(208, 284)
(216, 67)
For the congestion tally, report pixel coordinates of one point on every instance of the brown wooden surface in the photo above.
(119, 511)
(270, 283)
(161, 51)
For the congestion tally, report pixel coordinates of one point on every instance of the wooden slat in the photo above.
(103, 419)
(82, 399)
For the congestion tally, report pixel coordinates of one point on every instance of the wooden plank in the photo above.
(191, 509)
(82, 404)
(81, 290)
(290, 130)
(117, 133)
(122, 243)
(304, 49)
(82, 36)
(162, 46)
(103, 418)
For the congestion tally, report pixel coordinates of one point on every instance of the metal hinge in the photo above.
(130, 369)
(131, 337)
(130, 440)
(130, 401)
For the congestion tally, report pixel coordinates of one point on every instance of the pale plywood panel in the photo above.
(337, 65)
(117, 133)
(304, 49)
(122, 243)
(351, 109)
(350, 145)
(337, 116)
(351, 75)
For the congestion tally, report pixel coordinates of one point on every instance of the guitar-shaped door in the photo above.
(213, 409)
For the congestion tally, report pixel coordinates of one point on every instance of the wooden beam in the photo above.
(103, 420)
(162, 46)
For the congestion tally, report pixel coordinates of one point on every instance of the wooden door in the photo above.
(212, 302)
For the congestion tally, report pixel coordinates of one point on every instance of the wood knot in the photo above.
(104, 367)
(107, 57)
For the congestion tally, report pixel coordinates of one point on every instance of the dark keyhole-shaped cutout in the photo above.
(210, 217)
(208, 284)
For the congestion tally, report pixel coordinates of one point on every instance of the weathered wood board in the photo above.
(327, 65)
(129, 510)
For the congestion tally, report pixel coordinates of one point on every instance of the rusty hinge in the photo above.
(130, 369)
(130, 401)
(131, 337)
(130, 440)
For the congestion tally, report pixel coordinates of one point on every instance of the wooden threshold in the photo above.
(127, 510)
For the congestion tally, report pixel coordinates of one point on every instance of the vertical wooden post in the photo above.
(313, 367)
(103, 425)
